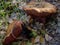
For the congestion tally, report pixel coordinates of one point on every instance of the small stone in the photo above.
(10, 20)
(13, 16)
(14, 1)
(47, 37)
(2, 32)
(37, 39)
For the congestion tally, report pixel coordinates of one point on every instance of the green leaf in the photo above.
(28, 43)
(43, 32)
(34, 33)
(2, 13)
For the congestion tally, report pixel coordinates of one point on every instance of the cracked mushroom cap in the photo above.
(39, 9)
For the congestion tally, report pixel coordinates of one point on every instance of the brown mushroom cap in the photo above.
(39, 9)
(13, 31)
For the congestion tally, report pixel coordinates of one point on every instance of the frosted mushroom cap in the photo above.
(40, 9)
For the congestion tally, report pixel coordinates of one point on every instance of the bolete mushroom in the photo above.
(39, 10)
(13, 31)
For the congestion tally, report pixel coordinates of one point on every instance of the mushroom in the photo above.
(39, 10)
(13, 31)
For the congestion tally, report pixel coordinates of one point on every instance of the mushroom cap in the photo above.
(13, 25)
(39, 9)
(13, 31)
